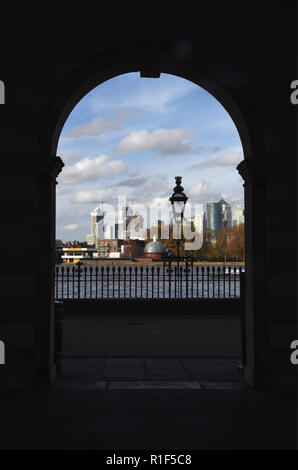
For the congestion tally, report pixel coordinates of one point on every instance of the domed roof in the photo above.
(154, 247)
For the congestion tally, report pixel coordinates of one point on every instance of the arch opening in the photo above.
(136, 138)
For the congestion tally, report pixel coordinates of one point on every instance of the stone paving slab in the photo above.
(200, 361)
(112, 367)
(149, 384)
(165, 370)
(154, 385)
(162, 363)
(169, 378)
(123, 372)
(224, 386)
(168, 372)
(215, 377)
(88, 363)
(69, 385)
(230, 362)
(79, 378)
(206, 368)
(123, 361)
(169, 369)
(123, 379)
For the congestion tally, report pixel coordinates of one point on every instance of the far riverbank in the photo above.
(120, 262)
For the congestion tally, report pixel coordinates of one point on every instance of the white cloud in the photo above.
(160, 202)
(202, 193)
(158, 96)
(69, 213)
(228, 160)
(69, 156)
(163, 141)
(96, 195)
(92, 168)
(233, 198)
(133, 182)
(70, 227)
(63, 191)
(101, 125)
(156, 186)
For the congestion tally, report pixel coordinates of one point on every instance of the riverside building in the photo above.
(238, 214)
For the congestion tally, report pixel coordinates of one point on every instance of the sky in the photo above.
(131, 136)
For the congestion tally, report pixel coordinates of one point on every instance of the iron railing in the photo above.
(169, 280)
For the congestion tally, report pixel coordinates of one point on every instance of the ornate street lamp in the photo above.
(178, 201)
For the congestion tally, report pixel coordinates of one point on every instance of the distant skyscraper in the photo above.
(130, 225)
(238, 214)
(99, 229)
(135, 227)
(97, 216)
(218, 214)
(110, 231)
(226, 213)
(90, 239)
(213, 216)
(124, 215)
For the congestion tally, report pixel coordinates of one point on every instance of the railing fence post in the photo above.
(79, 279)
(85, 282)
(62, 282)
(169, 279)
(186, 277)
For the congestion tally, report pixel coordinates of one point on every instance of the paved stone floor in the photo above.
(130, 373)
(165, 404)
(142, 373)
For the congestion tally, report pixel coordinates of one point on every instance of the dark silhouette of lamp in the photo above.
(178, 201)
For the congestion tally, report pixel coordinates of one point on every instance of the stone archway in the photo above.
(151, 63)
(50, 60)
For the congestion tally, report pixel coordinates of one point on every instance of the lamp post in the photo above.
(178, 201)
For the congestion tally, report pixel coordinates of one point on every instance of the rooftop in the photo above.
(154, 247)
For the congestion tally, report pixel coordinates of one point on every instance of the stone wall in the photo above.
(49, 61)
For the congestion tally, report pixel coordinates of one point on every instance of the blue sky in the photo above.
(131, 136)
